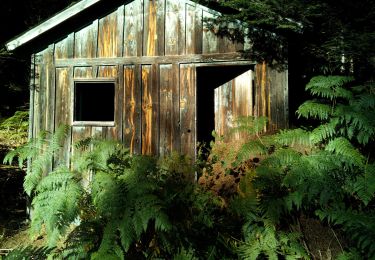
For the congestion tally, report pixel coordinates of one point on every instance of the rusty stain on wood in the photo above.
(107, 72)
(130, 121)
(147, 109)
(108, 36)
(151, 32)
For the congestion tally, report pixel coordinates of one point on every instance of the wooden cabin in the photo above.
(150, 73)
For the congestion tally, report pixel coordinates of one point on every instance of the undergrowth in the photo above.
(13, 130)
(139, 207)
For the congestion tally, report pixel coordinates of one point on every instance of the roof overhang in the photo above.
(51, 23)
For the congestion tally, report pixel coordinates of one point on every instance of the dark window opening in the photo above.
(209, 78)
(94, 101)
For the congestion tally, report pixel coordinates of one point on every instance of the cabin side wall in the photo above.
(150, 49)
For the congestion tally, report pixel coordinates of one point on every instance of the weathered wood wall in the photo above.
(150, 49)
(259, 92)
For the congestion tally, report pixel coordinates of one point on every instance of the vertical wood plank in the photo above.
(262, 89)
(97, 132)
(175, 24)
(109, 40)
(133, 31)
(278, 85)
(169, 109)
(86, 41)
(224, 108)
(63, 113)
(64, 48)
(132, 109)
(150, 110)
(243, 101)
(32, 93)
(49, 72)
(38, 93)
(210, 39)
(194, 29)
(242, 98)
(154, 21)
(187, 109)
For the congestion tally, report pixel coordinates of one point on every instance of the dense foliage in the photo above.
(113, 205)
(13, 130)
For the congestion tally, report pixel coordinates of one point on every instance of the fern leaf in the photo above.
(341, 146)
(252, 148)
(330, 87)
(364, 185)
(294, 137)
(282, 158)
(324, 131)
(314, 109)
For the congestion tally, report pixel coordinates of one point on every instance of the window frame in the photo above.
(94, 81)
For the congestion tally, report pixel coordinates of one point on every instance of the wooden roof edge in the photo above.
(50, 23)
(65, 15)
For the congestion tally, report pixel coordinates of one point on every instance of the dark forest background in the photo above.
(18, 16)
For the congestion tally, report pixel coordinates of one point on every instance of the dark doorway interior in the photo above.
(209, 78)
(94, 101)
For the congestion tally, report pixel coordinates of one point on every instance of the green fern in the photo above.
(314, 109)
(324, 132)
(294, 137)
(359, 225)
(14, 130)
(342, 147)
(364, 185)
(39, 152)
(330, 87)
(28, 252)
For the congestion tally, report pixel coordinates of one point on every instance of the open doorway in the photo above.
(224, 92)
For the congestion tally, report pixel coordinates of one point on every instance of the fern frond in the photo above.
(314, 109)
(351, 255)
(363, 101)
(250, 149)
(294, 137)
(108, 248)
(341, 146)
(359, 225)
(29, 252)
(282, 158)
(330, 87)
(364, 185)
(324, 131)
